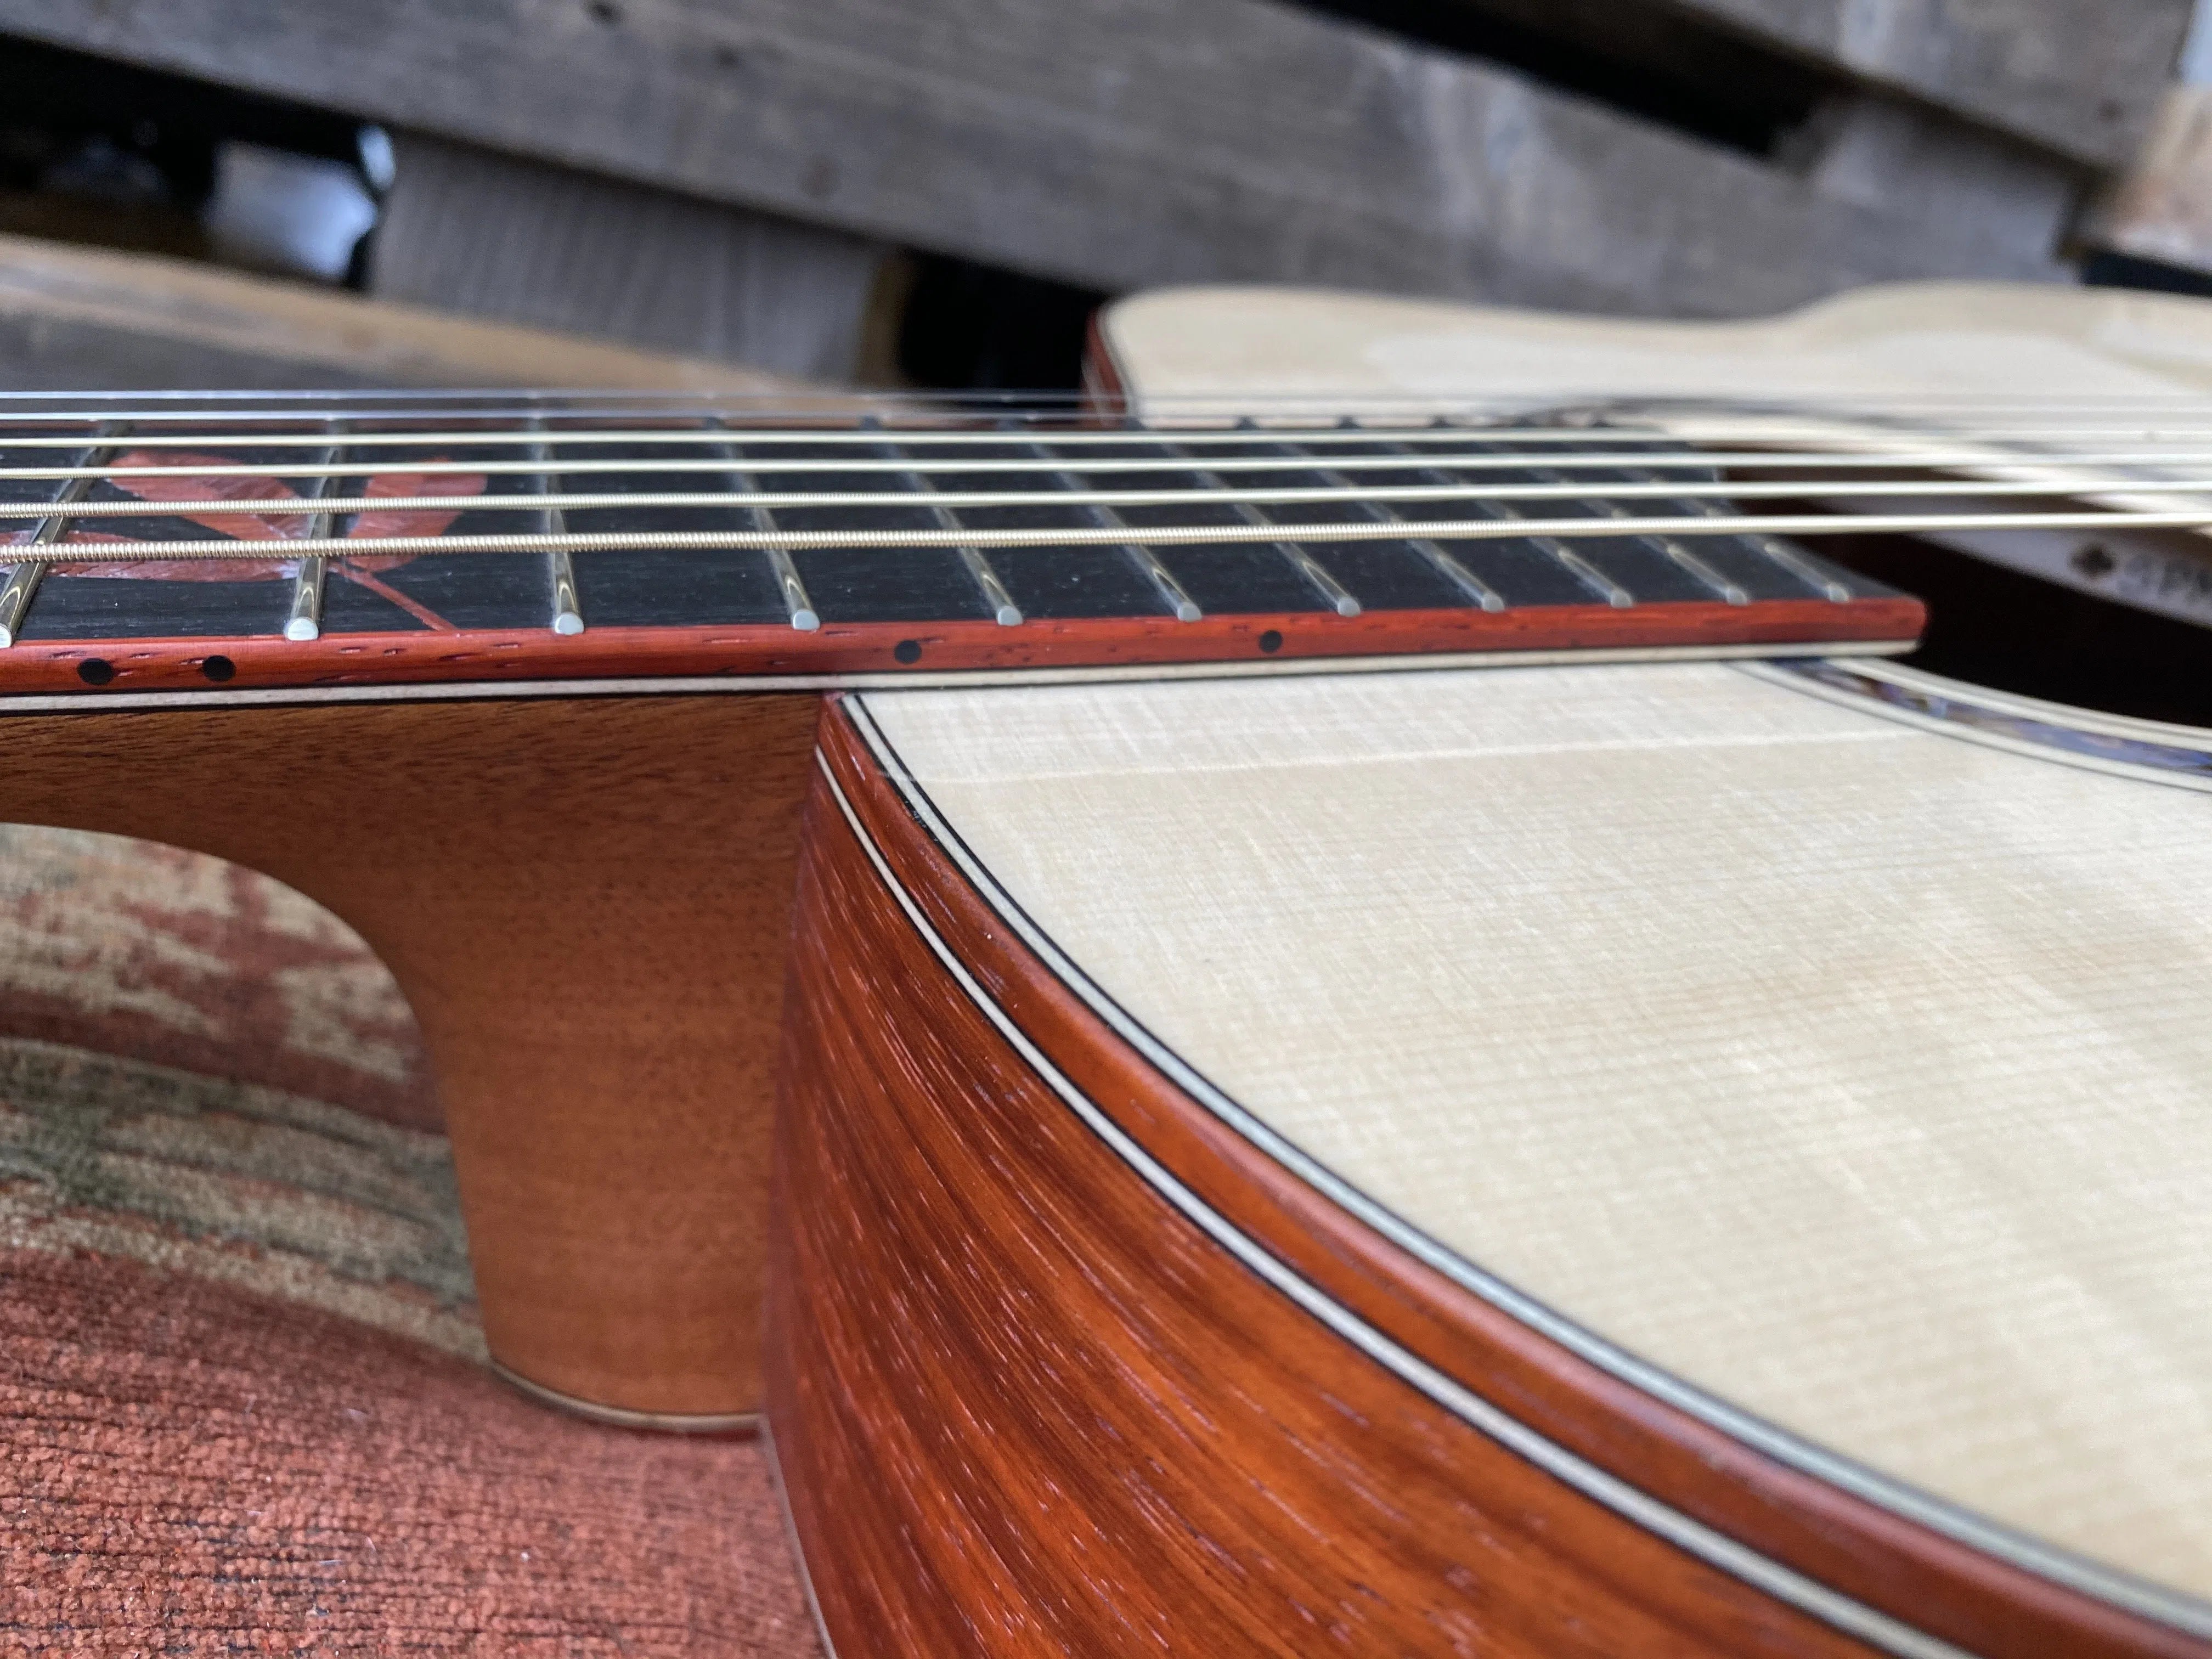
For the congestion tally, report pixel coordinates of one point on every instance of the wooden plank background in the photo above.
(2078, 77)
(470, 230)
(1116, 146)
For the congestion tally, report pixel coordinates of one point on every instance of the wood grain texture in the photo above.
(73, 319)
(1148, 141)
(485, 655)
(2161, 208)
(465, 229)
(2079, 77)
(584, 904)
(849, 1098)
(1021, 1406)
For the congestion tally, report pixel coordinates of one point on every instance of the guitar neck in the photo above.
(364, 541)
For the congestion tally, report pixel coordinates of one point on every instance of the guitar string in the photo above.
(1393, 459)
(1598, 491)
(1740, 429)
(1036, 406)
(1445, 529)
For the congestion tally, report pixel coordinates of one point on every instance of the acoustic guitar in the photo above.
(1663, 1131)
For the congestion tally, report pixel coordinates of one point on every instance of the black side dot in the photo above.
(94, 672)
(1271, 641)
(908, 651)
(218, 669)
(2092, 561)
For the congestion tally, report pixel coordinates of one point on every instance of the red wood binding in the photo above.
(337, 660)
(1022, 1403)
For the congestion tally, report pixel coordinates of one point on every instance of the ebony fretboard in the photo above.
(560, 537)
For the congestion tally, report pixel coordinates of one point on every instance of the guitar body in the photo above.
(1662, 1134)
(1666, 1158)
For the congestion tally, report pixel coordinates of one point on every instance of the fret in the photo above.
(1582, 570)
(1772, 546)
(15, 598)
(1000, 603)
(567, 613)
(23, 577)
(1472, 588)
(1800, 567)
(796, 599)
(1681, 555)
(1179, 603)
(1316, 576)
(568, 618)
(304, 619)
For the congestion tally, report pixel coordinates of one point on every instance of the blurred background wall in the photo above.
(937, 192)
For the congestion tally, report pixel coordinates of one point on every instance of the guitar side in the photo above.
(1060, 1363)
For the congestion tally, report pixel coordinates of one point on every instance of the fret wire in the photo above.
(1801, 568)
(1576, 566)
(1179, 603)
(1471, 587)
(303, 619)
(1784, 555)
(22, 586)
(1316, 576)
(568, 618)
(796, 602)
(1390, 458)
(1003, 608)
(1163, 536)
(1220, 492)
(1699, 571)
(567, 608)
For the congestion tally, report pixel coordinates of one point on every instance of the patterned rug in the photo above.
(241, 1384)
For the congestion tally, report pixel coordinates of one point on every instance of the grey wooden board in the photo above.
(1118, 145)
(2161, 208)
(472, 230)
(76, 319)
(2080, 77)
(1915, 160)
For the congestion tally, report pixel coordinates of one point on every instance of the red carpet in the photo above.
(239, 1385)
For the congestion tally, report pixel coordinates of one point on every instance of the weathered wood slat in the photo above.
(2161, 208)
(75, 319)
(472, 230)
(2080, 77)
(1148, 141)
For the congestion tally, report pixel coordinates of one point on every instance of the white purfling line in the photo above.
(1693, 1537)
(1967, 732)
(2030, 1554)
